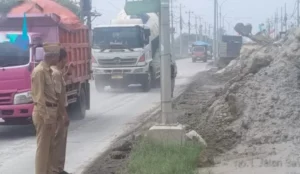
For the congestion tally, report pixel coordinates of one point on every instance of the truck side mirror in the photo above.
(39, 54)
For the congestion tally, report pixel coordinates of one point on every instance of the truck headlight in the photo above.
(138, 70)
(23, 98)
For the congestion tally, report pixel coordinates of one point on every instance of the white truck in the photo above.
(127, 52)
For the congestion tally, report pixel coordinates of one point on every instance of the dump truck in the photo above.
(17, 64)
(229, 49)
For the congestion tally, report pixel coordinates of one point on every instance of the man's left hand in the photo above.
(66, 120)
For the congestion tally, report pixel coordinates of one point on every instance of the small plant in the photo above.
(154, 158)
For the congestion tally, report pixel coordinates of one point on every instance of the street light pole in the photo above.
(166, 103)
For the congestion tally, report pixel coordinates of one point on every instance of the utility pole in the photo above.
(180, 29)
(215, 31)
(172, 26)
(285, 17)
(298, 1)
(276, 23)
(220, 19)
(209, 30)
(189, 25)
(200, 29)
(166, 103)
(281, 20)
(205, 28)
(196, 28)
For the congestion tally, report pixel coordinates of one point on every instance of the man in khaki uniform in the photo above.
(60, 139)
(45, 108)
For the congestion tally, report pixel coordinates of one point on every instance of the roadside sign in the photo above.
(136, 7)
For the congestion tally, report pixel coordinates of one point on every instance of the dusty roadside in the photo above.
(248, 113)
(115, 159)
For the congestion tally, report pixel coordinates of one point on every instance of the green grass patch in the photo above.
(153, 158)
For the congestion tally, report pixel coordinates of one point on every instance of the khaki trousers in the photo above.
(45, 132)
(60, 145)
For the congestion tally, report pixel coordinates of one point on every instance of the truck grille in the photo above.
(6, 98)
(117, 62)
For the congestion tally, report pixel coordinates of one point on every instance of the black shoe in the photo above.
(64, 172)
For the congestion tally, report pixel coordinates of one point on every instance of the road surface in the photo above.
(111, 114)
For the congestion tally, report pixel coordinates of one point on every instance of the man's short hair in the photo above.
(62, 54)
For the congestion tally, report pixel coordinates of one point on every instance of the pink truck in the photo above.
(17, 64)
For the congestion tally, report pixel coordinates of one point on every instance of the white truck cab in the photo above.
(127, 52)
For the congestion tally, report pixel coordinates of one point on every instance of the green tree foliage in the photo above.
(7, 5)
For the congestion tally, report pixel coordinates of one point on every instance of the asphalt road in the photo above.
(112, 113)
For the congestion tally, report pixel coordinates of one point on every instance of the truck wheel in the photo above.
(205, 60)
(146, 85)
(153, 80)
(79, 108)
(194, 60)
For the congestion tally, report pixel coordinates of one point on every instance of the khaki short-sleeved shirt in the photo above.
(60, 88)
(42, 87)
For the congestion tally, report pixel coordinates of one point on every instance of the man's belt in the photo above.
(50, 105)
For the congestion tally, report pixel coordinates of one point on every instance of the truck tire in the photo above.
(193, 60)
(205, 60)
(153, 79)
(147, 83)
(79, 108)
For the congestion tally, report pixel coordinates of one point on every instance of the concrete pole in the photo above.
(215, 31)
(166, 103)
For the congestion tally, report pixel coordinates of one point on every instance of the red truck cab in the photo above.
(199, 53)
(16, 65)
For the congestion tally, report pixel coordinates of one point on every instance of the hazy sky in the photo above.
(246, 11)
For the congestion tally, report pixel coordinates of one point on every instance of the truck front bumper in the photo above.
(199, 57)
(11, 111)
(121, 76)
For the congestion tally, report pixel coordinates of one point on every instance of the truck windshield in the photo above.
(129, 37)
(11, 52)
(11, 55)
